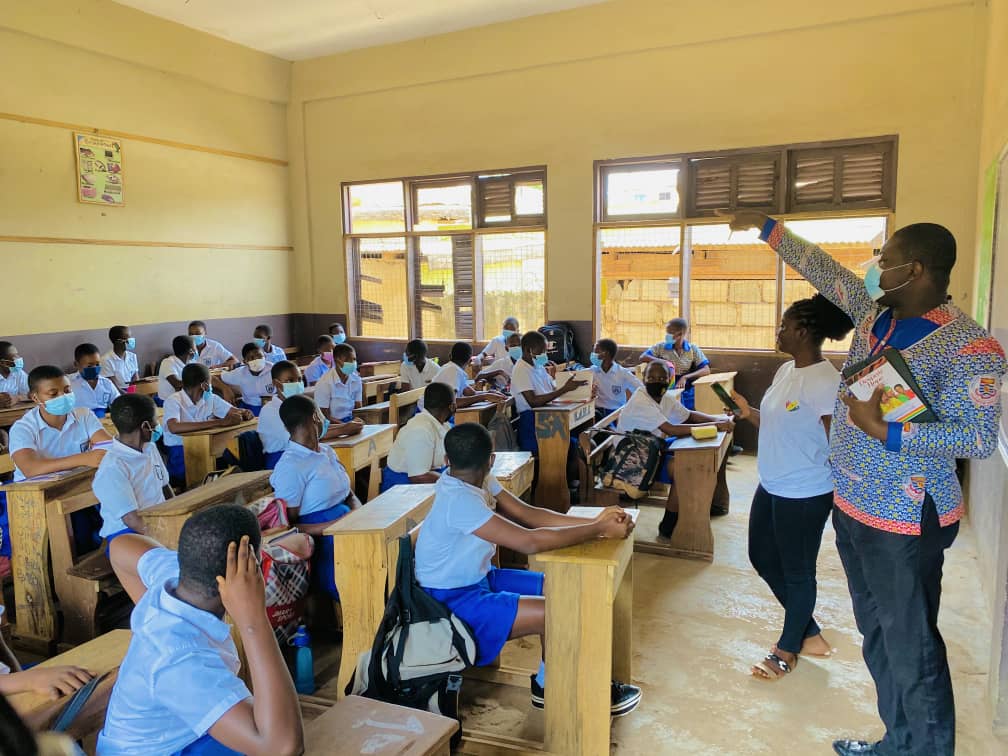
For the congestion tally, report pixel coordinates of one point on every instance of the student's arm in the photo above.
(540, 400)
(431, 476)
(55, 681)
(134, 522)
(178, 426)
(174, 381)
(648, 355)
(124, 553)
(610, 523)
(680, 430)
(268, 724)
(31, 463)
(518, 511)
(489, 375)
(341, 430)
(683, 379)
(474, 397)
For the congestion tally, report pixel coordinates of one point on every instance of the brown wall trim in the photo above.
(129, 243)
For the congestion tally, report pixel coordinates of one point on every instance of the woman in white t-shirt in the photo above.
(795, 493)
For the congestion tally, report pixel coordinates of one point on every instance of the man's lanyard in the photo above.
(884, 341)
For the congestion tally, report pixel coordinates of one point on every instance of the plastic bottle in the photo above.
(304, 662)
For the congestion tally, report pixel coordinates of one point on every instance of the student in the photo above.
(453, 374)
(193, 408)
(90, 389)
(460, 536)
(13, 378)
(120, 363)
(417, 456)
(211, 353)
(170, 371)
(310, 478)
(50, 682)
(615, 383)
(274, 437)
(497, 346)
(56, 435)
(132, 475)
(340, 391)
(532, 386)
(178, 691)
(416, 371)
(337, 333)
(687, 361)
(499, 371)
(253, 379)
(263, 338)
(323, 361)
(655, 409)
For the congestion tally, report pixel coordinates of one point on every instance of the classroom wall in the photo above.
(204, 232)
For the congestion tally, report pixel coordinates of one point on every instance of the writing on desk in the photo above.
(582, 412)
(372, 447)
(548, 425)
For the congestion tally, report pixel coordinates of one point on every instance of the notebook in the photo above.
(581, 394)
(902, 401)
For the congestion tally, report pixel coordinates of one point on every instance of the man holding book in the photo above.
(897, 499)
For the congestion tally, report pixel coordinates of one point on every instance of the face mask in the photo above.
(256, 366)
(594, 359)
(339, 338)
(326, 357)
(90, 373)
(515, 353)
(259, 342)
(293, 389)
(131, 343)
(156, 434)
(507, 334)
(873, 280)
(349, 368)
(656, 390)
(540, 360)
(208, 395)
(325, 428)
(61, 405)
(199, 340)
(18, 365)
(669, 341)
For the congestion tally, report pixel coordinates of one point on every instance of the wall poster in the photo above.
(99, 169)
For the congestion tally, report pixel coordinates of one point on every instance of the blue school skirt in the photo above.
(176, 462)
(490, 606)
(323, 560)
(109, 539)
(390, 477)
(272, 458)
(158, 400)
(254, 410)
(206, 746)
(4, 527)
(663, 473)
(99, 412)
(527, 440)
(687, 397)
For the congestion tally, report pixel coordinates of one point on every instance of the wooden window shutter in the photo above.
(465, 287)
(846, 177)
(732, 183)
(496, 200)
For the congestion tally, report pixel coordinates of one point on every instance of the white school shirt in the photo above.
(613, 386)
(128, 480)
(171, 365)
(642, 412)
(525, 377)
(504, 364)
(418, 378)
(214, 353)
(317, 370)
(15, 384)
(274, 354)
(313, 481)
(32, 432)
(180, 407)
(419, 445)
(495, 348)
(793, 457)
(252, 387)
(452, 376)
(99, 397)
(272, 433)
(448, 555)
(180, 672)
(120, 370)
(338, 397)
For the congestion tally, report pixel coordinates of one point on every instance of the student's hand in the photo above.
(92, 458)
(353, 427)
(867, 415)
(230, 419)
(245, 415)
(680, 383)
(743, 220)
(6, 400)
(55, 681)
(744, 410)
(572, 385)
(615, 523)
(242, 590)
(725, 425)
(595, 391)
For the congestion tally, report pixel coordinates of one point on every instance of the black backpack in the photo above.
(632, 466)
(559, 342)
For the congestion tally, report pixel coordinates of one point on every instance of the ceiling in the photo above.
(299, 29)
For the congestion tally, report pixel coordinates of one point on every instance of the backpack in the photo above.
(559, 342)
(633, 464)
(502, 433)
(419, 651)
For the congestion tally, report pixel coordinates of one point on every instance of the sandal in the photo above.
(771, 669)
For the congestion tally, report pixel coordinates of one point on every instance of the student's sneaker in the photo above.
(624, 698)
(538, 694)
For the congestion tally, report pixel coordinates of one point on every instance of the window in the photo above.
(649, 191)
(435, 258)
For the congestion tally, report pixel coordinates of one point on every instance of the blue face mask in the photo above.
(873, 280)
(325, 427)
(61, 405)
(199, 340)
(540, 360)
(339, 338)
(90, 373)
(405, 358)
(131, 343)
(293, 389)
(349, 368)
(595, 360)
(515, 353)
(507, 334)
(156, 433)
(208, 395)
(669, 341)
(18, 365)
(261, 343)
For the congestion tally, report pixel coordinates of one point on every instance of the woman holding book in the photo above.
(795, 494)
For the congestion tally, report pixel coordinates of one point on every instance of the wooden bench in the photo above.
(374, 414)
(368, 369)
(201, 448)
(291, 352)
(365, 450)
(402, 407)
(377, 387)
(482, 412)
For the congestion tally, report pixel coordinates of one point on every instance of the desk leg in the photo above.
(695, 481)
(622, 647)
(198, 459)
(554, 439)
(33, 596)
(579, 642)
(361, 584)
(374, 479)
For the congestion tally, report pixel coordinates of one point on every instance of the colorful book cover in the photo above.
(901, 402)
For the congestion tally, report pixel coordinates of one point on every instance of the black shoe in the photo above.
(718, 511)
(538, 694)
(624, 698)
(854, 747)
(735, 449)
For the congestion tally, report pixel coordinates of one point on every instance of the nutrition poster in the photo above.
(99, 169)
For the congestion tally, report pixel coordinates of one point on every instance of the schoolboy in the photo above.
(416, 371)
(253, 379)
(337, 333)
(340, 391)
(497, 346)
(615, 383)
(453, 374)
(417, 455)
(170, 370)
(90, 388)
(120, 364)
(263, 338)
(211, 353)
(178, 690)
(132, 475)
(13, 378)
(461, 534)
(323, 361)
(532, 386)
(686, 361)
(499, 371)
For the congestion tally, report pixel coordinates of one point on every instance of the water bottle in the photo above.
(304, 673)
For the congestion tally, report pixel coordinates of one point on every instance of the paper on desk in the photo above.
(581, 394)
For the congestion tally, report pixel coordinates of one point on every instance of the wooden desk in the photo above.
(514, 470)
(29, 533)
(358, 725)
(201, 448)
(164, 521)
(698, 469)
(377, 387)
(553, 426)
(589, 641)
(103, 654)
(6, 464)
(366, 548)
(368, 369)
(15, 412)
(481, 412)
(704, 398)
(366, 449)
(373, 414)
(146, 386)
(110, 428)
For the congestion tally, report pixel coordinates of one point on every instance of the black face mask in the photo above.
(656, 390)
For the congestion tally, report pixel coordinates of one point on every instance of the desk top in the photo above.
(559, 405)
(239, 428)
(369, 433)
(686, 443)
(508, 463)
(51, 480)
(477, 406)
(222, 489)
(377, 407)
(604, 550)
(361, 725)
(10, 415)
(384, 510)
(379, 377)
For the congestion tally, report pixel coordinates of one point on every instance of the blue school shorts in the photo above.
(323, 560)
(272, 458)
(663, 473)
(176, 462)
(4, 527)
(490, 606)
(206, 746)
(254, 410)
(113, 536)
(390, 477)
(527, 440)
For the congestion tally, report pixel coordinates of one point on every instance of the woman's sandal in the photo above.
(772, 668)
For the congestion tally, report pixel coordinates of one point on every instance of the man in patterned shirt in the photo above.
(897, 499)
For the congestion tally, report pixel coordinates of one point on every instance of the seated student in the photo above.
(310, 478)
(532, 386)
(340, 391)
(90, 389)
(323, 362)
(178, 691)
(47, 681)
(417, 455)
(453, 374)
(194, 408)
(656, 410)
(120, 364)
(615, 383)
(263, 338)
(460, 536)
(687, 361)
(170, 370)
(337, 333)
(499, 371)
(211, 353)
(497, 346)
(132, 476)
(416, 371)
(274, 437)
(253, 379)
(13, 378)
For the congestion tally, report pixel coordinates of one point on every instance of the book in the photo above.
(581, 394)
(902, 401)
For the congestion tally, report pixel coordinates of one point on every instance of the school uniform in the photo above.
(180, 407)
(32, 432)
(169, 366)
(252, 387)
(316, 483)
(96, 399)
(418, 378)
(418, 448)
(642, 412)
(317, 369)
(179, 675)
(613, 386)
(495, 348)
(213, 353)
(272, 433)
(15, 384)
(338, 397)
(450, 375)
(534, 378)
(690, 359)
(454, 566)
(274, 354)
(506, 365)
(120, 370)
(126, 481)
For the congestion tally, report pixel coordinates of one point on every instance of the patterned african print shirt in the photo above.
(959, 368)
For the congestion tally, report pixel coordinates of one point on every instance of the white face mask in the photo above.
(257, 366)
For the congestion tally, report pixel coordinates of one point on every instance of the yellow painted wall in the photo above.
(636, 77)
(98, 64)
